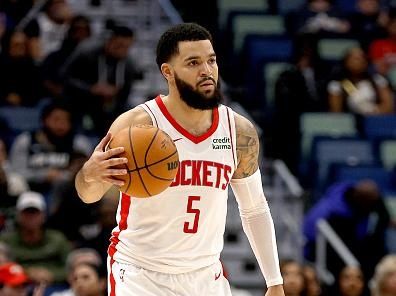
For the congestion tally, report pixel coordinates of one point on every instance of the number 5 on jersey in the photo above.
(187, 227)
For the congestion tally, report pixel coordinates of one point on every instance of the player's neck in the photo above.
(195, 121)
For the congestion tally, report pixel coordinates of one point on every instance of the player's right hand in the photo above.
(104, 164)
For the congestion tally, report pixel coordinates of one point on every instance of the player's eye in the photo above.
(193, 63)
(212, 61)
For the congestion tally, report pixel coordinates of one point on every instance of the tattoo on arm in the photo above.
(247, 145)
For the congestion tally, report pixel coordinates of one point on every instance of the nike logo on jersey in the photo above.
(175, 140)
(217, 276)
(122, 272)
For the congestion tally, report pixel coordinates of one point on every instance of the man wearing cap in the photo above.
(13, 280)
(41, 251)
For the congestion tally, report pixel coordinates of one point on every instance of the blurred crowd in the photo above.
(79, 80)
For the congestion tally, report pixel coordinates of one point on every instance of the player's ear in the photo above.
(166, 70)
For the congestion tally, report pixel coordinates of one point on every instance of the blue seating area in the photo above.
(367, 154)
(258, 52)
(384, 178)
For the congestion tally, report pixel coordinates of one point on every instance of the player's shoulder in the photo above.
(134, 116)
(244, 126)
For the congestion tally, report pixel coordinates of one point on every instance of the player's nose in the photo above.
(206, 70)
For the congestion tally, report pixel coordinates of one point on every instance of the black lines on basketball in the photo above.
(134, 159)
(152, 160)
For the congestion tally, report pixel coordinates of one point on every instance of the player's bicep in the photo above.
(247, 146)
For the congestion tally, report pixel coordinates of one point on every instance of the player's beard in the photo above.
(196, 99)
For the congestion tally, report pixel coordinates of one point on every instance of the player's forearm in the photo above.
(258, 225)
(89, 191)
(259, 228)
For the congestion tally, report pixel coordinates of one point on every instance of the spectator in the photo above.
(312, 281)
(52, 66)
(99, 79)
(293, 278)
(19, 76)
(107, 209)
(317, 17)
(41, 251)
(358, 215)
(299, 89)
(88, 280)
(82, 255)
(368, 22)
(43, 157)
(355, 90)
(13, 280)
(66, 203)
(47, 31)
(384, 280)
(382, 52)
(351, 282)
(76, 258)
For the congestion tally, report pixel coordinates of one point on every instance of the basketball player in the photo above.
(170, 244)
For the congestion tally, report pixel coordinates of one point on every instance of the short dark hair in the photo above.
(50, 107)
(168, 44)
(121, 31)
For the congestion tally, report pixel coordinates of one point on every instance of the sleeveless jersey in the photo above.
(181, 229)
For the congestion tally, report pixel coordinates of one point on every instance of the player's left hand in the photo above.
(275, 291)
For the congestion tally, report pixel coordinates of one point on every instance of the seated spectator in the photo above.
(355, 90)
(65, 203)
(299, 89)
(99, 78)
(350, 282)
(41, 251)
(82, 255)
(314, 287)
(13, 280)
(76, 258)
(382, 52)
(107, 209)
(19, 76)
(293, 278)
(47, 31)
(88, 280)
(317, 17)
(43, 157)
(358, 215)
(368, 22)
(52, 66)
(384, 280)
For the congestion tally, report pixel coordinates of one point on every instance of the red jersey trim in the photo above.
(125, 206)
(123, 224)
(232, 141)
(182, 130)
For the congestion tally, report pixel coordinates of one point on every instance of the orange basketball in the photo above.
(152, 159)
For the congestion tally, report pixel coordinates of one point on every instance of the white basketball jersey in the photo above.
(182, 228)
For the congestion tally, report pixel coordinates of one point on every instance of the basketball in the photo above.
(152, 160)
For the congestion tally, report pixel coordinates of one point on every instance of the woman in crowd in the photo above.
(357, 91)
